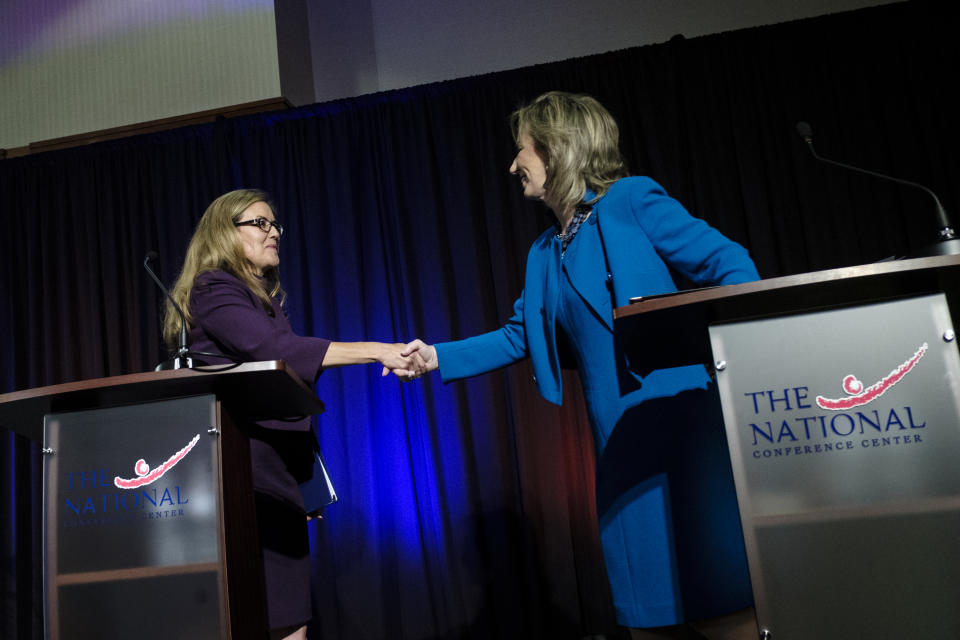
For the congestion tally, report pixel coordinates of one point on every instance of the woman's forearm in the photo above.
(341, 354)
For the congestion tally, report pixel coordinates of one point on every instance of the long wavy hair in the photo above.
(579, 142)
(216, 244)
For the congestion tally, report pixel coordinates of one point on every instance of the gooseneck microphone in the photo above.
(945, 230)
(182, 359)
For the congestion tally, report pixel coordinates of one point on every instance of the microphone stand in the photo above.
(947, 242)
(182, 359)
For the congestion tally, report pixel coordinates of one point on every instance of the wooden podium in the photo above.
(149, 519)
(841, 400)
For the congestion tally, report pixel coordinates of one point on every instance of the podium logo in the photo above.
(790, 431)
(145, 476)
(858, 396)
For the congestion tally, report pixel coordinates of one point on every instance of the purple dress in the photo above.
(229, 318)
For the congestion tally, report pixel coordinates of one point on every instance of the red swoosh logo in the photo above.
(861, 397)
(146, 476)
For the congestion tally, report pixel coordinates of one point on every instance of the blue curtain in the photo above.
(466, 510)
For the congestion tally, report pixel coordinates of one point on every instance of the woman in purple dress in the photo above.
(230, 291)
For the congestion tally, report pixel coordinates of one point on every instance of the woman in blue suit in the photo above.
(669, 524)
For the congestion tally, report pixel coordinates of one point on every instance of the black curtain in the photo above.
(466, 510)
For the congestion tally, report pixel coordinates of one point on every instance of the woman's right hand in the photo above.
(406, 364)
(416, 358)
(427, 352)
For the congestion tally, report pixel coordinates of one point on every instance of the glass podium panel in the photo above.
(131, 522)
(844, 433)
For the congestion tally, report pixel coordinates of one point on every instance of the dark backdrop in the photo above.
(466, 510)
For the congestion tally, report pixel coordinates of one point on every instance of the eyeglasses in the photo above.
(263, 223)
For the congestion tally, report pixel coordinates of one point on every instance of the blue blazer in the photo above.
(643, 231)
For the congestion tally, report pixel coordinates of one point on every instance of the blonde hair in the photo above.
(578, 139)
(216, 245)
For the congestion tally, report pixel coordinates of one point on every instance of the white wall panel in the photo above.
(71, 67)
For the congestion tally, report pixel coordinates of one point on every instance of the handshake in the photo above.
(408, 361)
